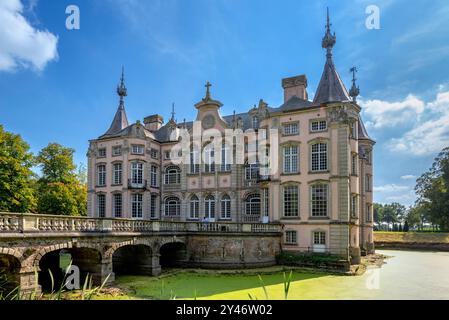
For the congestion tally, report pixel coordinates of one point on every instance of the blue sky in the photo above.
(59, 85)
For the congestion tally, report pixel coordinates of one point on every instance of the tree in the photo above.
(432, 189)
(16, 176)
(60, 190)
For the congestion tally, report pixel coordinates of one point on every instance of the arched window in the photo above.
(225, 207)
(194, 207)
(252, 205)
(209, 207)
(252, 171)
(172, 175)
(172, 207)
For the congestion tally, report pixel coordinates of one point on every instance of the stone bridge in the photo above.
(32, 245)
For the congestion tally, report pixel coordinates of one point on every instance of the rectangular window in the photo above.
(136, 205)
(368, 183)
(319, 200)
(291, 129)
(102, 153)
(154, 153)
(194, 162)
(117, 205)
(137, 173)
(318, 125)
(225, 158)
(291, 237)
(194, 208)
(167, 155)
(153, 176)
(319, 238)
(291, 201)
(354, 164)
(291, 159)
(209, 161)
(319, 157)
(137, 149)
(101, 175)
(153, 206)
(369, 212)
(101, 205)
(266, 194)
(116, 151)
(226, 208)
(354, 206)
(354, 130)
(117, 174)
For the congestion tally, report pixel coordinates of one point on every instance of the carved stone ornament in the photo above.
(208, 122)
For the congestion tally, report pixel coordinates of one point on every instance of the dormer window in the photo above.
(116, 151)
(137, 149)
(255, 122)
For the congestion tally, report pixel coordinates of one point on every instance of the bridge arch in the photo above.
(55, 258)
(133, 259)
(172, 254)
(10, 267)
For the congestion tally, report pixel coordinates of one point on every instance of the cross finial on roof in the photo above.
(208, 85)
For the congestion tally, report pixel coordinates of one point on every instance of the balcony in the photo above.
(137, 186)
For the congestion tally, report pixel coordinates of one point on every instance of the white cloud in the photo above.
(390, 114)
(408, 177)
(390, 188)
(22, 45)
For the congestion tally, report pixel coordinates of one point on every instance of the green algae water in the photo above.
(406, 275)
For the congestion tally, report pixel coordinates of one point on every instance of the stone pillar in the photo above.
(28, 283)
(155, 265)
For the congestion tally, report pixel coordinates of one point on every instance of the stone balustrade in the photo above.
(29, 223)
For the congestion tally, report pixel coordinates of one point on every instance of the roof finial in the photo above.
(208, 85)
(329, 39)
(173, 111)
(355, 90)
(121, 89)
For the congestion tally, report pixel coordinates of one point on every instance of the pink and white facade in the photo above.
(321, 189)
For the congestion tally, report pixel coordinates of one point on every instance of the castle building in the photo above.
(321, 191)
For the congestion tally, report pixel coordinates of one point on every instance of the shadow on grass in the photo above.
(191, 285)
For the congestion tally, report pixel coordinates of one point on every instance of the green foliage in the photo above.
(16, 176)
(432, 189)
(60, 189)
(391, 213)
(306, 258)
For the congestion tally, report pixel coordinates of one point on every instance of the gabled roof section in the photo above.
(294, 103)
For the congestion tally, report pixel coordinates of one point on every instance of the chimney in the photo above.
(154, 122)
(295, 86)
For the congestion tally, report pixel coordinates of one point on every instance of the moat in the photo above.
(405, 275)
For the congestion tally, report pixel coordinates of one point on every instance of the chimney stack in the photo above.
(295, 86)
(154, 122)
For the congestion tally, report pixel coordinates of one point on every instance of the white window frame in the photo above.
(291, 159)
(209, 207)
(154, 176)
(318, 126)
(117, 205)
(291, 129)
(225, 207)
(101, 175)
(137, 205)
(117, 173)
(290, 206)
(319, 157)
(101, 205)
(102, 153)
(172, 207)
(172, 175)
(319, 207)
(194, 205)
(291, 237)
(138, 149)
(114, 151)
(253, 205)
(137, 170)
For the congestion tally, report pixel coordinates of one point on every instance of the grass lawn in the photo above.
(411, 237)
